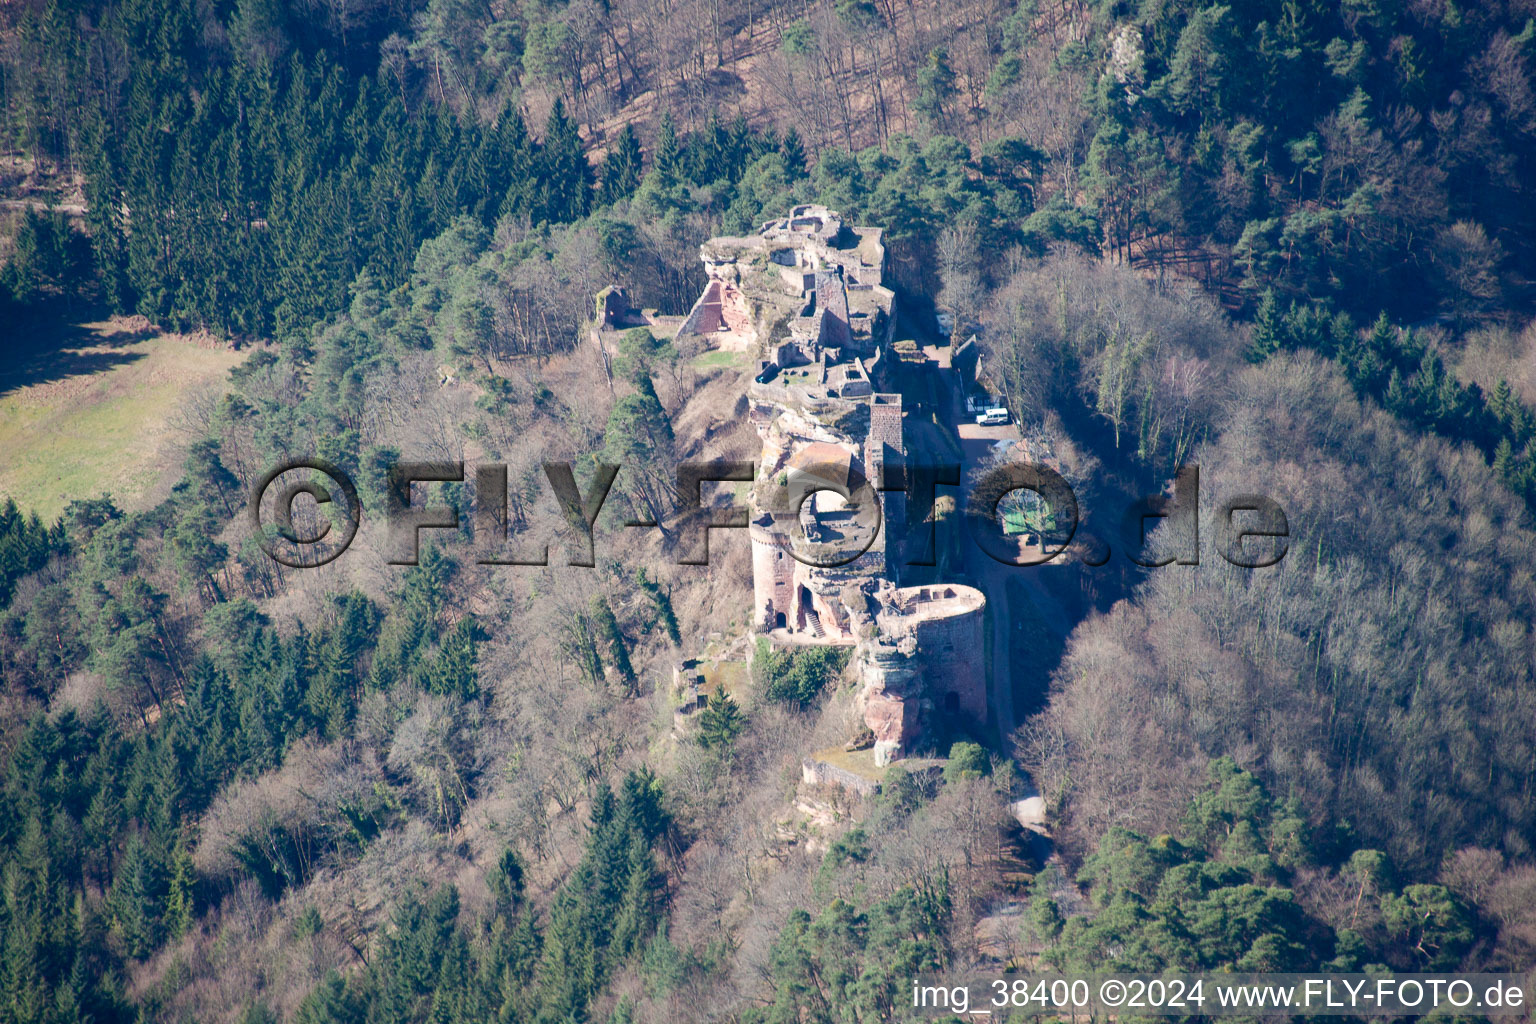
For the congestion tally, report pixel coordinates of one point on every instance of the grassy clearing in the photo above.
(720, 358)
(96, 414)
(729, 676)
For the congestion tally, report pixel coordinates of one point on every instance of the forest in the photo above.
(1289, 242)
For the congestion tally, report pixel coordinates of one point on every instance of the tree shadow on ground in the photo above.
(55, 346)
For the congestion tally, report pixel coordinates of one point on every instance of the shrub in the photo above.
(796, 677)
(967, 761)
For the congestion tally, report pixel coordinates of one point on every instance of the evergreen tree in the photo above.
(519, 156)
(668, 159)
(137, 899)
(454, 672)
(618, 647)
(707, 152)
(738, 147)
(663, 604)
(936, 90)
(566, 178)
(720, 722)
(638, 437)
(1268, 334)
(793, 152)
(1383, 339)
(506, 882)
(621, 168)
(967, 760)
(1504, 459)
(180, 908)
(329, 1003)
(1195, 83)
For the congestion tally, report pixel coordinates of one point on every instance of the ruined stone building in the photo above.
(805, 295)
(804, 289)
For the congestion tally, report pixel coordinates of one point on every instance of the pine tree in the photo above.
(197, 556)
(1268, 332)
(137, 899)
(738, 147)
(1504, 459)
(706, 151)
(663, 603)
(1499, 402)
(104, 214)
(1396, 398)
(1196, 72)
(1383, 339)
(936, 90)
(621, 167)
(510, 965)
(1521, 423)
(329, 695)
(720, 722)
(329, 1003)
(565, 176)
(667, 162)
(793, 152)
(635, 916)
(180, 907)
(639, 435)
(506, 882)
(618, 647)
(455, 672)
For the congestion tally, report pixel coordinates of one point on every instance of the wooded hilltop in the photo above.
(1287, 241)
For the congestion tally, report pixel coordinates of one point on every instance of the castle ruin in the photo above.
(828, 517)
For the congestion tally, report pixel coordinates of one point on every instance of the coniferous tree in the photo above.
(738, 147)
(793, 152)
(137, 899)
(1268, 333)
(566, 177)
(720, 722)
(936, 90)
(1500, 402)
(180, 909)
(454, 672)
(663, 604)
(621, 167)
(667, 162)
(618, 647)
(521, 157)
(329, 1003)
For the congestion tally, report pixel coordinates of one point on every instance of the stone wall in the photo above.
(885, 421)
(831, 309)
(773, 576)
(954, 658)
(823, 774)
(927, 658)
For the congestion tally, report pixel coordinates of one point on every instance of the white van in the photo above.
(993, 417)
